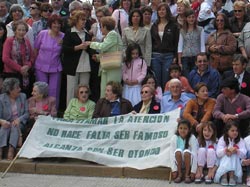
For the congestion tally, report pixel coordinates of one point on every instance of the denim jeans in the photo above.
(248, 167)
(160, 65)
(188, 63)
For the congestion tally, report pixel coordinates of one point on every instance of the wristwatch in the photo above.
(237, 115)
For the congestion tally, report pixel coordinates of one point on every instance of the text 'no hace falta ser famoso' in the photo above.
(125, 135)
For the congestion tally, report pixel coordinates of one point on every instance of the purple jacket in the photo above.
(49, 51)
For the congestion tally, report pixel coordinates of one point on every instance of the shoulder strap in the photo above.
(119, 23)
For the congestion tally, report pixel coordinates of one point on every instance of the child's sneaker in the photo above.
(232, 182)
(248, 181)
(224, 181)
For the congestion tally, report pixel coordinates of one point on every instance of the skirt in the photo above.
(132, 93)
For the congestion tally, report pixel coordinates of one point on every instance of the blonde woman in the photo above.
(75, 60)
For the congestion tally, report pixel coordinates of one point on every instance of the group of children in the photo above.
(223, 158)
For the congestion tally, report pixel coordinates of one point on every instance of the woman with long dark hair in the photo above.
(165, 36)
(191, 42)
(137, 33)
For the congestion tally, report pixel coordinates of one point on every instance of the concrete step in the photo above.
(66, 166)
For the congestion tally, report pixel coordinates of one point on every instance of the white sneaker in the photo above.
(224, 181)
(248, 181)
(232, 182)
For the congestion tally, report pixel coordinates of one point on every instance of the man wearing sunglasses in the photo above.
(206, 74)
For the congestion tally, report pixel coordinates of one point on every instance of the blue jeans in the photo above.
(160, 65)
(248, 167)
(188, 63)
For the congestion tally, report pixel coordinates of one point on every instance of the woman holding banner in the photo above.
(13, 116)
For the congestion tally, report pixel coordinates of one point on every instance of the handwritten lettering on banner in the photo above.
(137, 141)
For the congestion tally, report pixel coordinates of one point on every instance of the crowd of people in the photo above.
(192, 55)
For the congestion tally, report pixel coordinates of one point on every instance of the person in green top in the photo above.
(80, 107)
(111, 43)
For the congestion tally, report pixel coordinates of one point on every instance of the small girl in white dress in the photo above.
(230, 150)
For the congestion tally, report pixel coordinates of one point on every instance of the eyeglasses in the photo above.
(238, 11)
(142, 92)
(33, 8)
(81, 92)
(47, 10)
(220, 20)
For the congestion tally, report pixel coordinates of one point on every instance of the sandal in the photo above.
(188, 180)
(178, 179)
(199, 180)
(208, 181)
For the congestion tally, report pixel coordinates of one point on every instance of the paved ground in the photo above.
(30, 180)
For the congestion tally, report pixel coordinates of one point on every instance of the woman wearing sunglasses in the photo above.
(35, 13)
(16, 13)
(240, 18)
(147, 105)
(46, 12)
(80, 107)
(221, 44)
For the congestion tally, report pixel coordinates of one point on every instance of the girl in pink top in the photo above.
(134, 71)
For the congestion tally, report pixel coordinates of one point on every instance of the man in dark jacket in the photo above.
(240, 73)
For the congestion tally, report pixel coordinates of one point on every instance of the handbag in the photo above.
(111, 60)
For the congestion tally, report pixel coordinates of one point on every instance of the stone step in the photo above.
(66, 166)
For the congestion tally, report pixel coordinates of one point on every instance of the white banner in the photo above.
(136, 141)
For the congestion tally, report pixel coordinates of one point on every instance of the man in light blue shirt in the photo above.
(175, 99)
